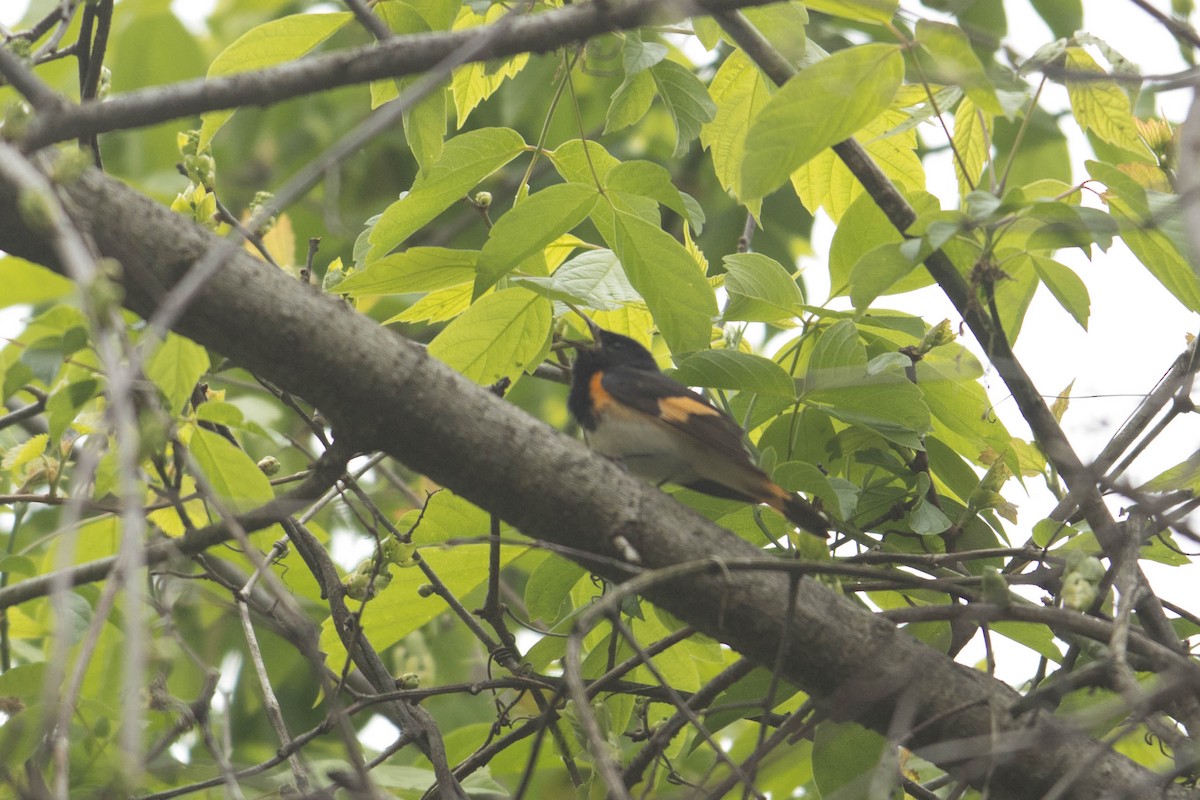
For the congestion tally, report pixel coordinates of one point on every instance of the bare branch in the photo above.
(398, 56)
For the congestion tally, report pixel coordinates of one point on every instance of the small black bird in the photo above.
(664, 432)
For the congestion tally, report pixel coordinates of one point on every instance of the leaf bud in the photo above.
(269, 465)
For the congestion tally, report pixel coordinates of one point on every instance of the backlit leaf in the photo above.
(759, 289)
(465, 161)
(731, 369)
(670, 281)
(530, 226)
(819, 107)
(498, 336)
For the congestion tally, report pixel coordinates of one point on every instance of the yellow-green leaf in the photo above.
(26, 282)
(1101, 106)
(972, 142)
(498, 336)
(231, 473)
(418, 269)
(759, 289)
(825, 181)
(670, 281)
(437, 306)
(465, 161)
(530, 226)
(175, 368)
(819, 107)
(473, 83)
(22, 454)
(740, 92)
(861, 10)
(957, 63)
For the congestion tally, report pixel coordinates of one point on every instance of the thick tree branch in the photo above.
(383, 392)
(398, 56)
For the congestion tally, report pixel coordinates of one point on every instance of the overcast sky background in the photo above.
(1136, 328)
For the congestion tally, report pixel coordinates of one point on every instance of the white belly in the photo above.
(650, 450)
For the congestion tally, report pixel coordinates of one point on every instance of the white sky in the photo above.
(1136, 327)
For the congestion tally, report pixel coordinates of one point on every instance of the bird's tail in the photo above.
(798, 510)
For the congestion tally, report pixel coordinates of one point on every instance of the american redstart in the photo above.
(666, 433)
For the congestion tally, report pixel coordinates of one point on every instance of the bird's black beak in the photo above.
(592, 326)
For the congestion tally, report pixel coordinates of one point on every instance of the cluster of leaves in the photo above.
(553, 194)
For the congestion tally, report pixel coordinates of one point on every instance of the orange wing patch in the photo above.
(680, 408)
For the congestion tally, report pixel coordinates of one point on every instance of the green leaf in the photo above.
(27, 283)
(175, 368)
(1037, 638)
(961, 409)
(837, 382)
(838, 352)
(1157, 254)
(819, 107)
(760, 289)
(498, 336)
(232, 474)
(1063, 17)
(465, 161)
(652, 180)
(864, 228)
(548, 590)
(858, 10)
(957, 62)
(221, 413)
(418, 269)
(1063, 225)
(1184, 475)
(845, 757)
(266, 45)
(530, 226)
(783, 25)
(594, 279)
(629, 102)
(926, 519)
(400, 609)
(670, 281)
(1013, 295)
(877, 272)
(437, 306)
(740, 92)
(400, 18)
(1067, 287)
(733, 369)
(425, 128)
(638, 56)
(825, 181)
(1101, 106)
(801, 476)
(687, 100)
(66, 401)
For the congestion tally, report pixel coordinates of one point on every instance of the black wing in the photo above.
(678, 407)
